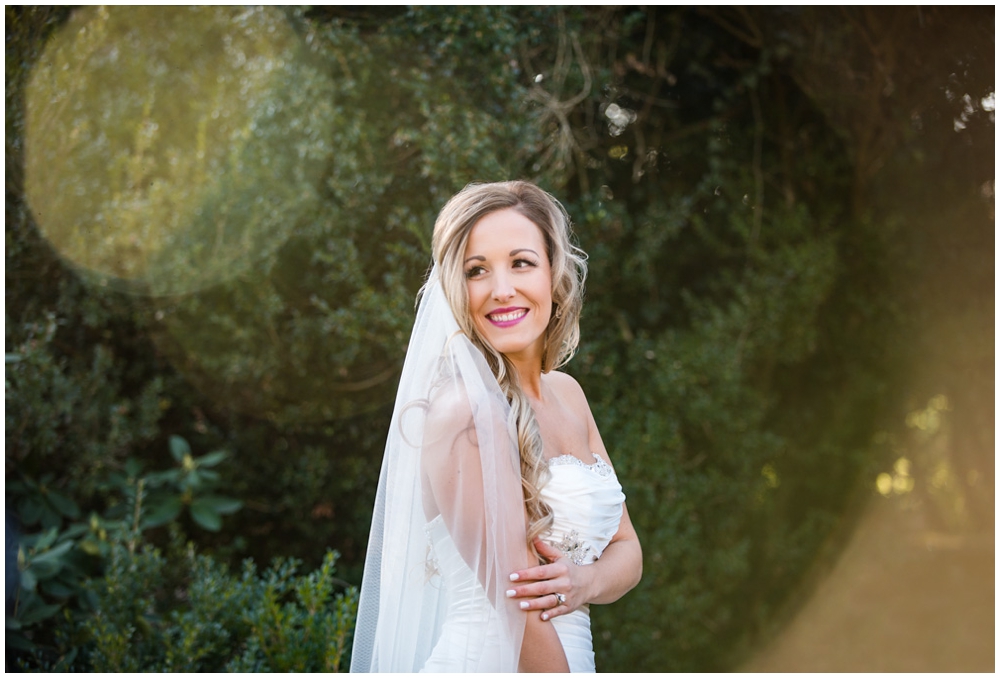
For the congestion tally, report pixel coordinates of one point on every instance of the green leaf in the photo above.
(75, 530)
(30, 508)
(116, 479)
(205, 516)
(212, 458)
(50, 517)
(224, 505)
(28, 580)
(44, 570)
(58, 588)
(64, 505)
(46, 539)
(179, 447)
(64, 664)
(163, 512)
(91, 546)
(133, 467)
(38, 613)
(162, 477)
(192, 480)
(53, 554)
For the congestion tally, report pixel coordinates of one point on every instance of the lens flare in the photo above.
(170, 148)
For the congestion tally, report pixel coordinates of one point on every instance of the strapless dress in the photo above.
(586, 501)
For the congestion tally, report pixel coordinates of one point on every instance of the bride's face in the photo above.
(509, 280)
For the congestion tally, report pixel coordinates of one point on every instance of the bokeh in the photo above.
(217, 220)
(168, 150)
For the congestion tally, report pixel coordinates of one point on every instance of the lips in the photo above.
(506, 317)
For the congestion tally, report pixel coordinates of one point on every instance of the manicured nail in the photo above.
(514, 577)
(545, 616)
(511, 593)
(524, 604)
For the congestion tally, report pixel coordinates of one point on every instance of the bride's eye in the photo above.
(475, 271)
(524, 263)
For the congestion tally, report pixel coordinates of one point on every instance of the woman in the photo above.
(498, 518)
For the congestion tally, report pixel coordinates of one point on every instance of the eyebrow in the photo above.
(479, 257)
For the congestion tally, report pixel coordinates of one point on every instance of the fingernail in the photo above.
(524, 604)
(511, 593)
(514, 577)
(545, 616)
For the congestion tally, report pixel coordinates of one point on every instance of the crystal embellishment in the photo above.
(600, 467)
(574, 548)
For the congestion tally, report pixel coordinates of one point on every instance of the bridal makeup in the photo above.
(509, 281)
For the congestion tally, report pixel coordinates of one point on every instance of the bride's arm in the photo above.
(614, 574)
(541, 650)
(619, 568)
(454, 477)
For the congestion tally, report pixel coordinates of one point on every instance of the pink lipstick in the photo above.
(507, 317)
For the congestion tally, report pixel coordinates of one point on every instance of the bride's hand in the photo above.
(539, 586)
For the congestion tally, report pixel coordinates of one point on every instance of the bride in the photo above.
(498, 518)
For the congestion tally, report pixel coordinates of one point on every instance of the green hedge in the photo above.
(757, 210)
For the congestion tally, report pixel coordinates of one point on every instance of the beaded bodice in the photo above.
(586, 502)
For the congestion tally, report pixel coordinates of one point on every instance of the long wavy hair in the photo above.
(569, 270)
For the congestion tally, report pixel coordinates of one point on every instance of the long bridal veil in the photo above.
(451, 462)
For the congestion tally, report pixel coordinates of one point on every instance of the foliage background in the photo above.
(789, 217)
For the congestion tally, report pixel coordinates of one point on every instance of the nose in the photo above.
(503, 290)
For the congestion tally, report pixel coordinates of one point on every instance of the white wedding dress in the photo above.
(586, 501)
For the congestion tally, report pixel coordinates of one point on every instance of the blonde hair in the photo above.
(569, 270)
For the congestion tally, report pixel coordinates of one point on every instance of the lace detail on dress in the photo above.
(572, 546)
(600, 467)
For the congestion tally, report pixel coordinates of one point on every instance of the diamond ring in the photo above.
(561, 598)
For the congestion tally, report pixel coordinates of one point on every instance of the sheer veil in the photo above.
(450, 477)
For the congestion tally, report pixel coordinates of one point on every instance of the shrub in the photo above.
(97, 596)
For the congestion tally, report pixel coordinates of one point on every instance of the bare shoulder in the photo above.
(565, 384)
(571, 393)
(449, 430)
(569, 390)
(449, 406)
